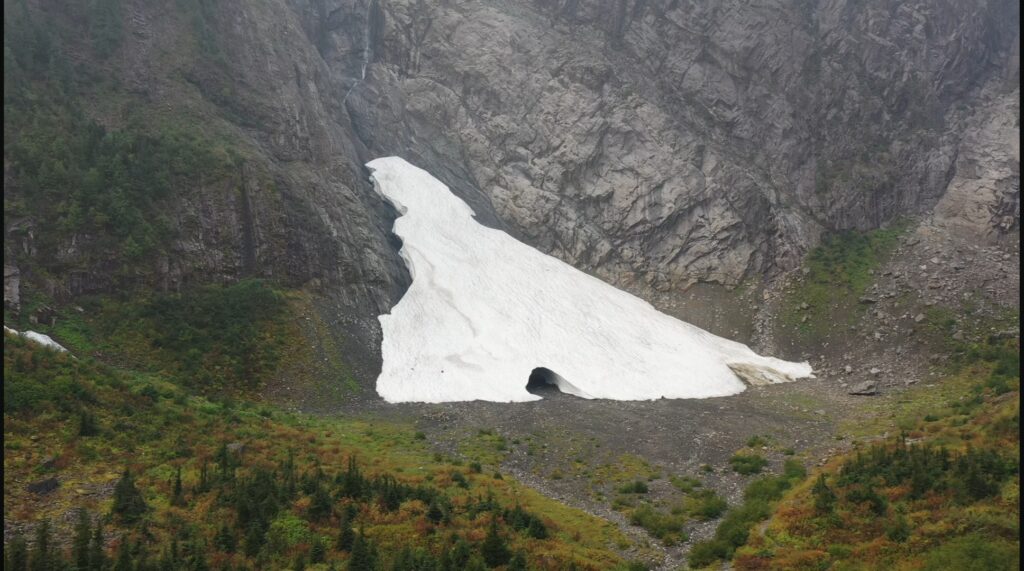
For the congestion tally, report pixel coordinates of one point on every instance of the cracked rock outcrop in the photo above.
(654, 143)
(710, 141)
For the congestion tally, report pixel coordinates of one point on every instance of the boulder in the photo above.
(44, 486)
(866, 388)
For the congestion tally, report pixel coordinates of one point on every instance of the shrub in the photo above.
(747, 464)
(704, 553)
(460, 480)
(757, 506)
(635, 487)
(666, 527)
(756, 442)
(710, 506)
(974, 552)
(685, 484)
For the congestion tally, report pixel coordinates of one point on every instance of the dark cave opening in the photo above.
(543, 382)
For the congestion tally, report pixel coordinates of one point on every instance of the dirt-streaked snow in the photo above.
(484, 310)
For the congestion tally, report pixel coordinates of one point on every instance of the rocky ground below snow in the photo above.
(898, 339)
(935, 288)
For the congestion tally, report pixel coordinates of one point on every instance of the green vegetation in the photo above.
(758, 500)
(485, 447)
(212, 338)
(77, 178)
(97, 187)
(635, 487)
(685, 484)
(668, 527)
(625, 469)
(839, 270)
(705, 504)
(194, 483)
(757, 441)
(668, 524)
(747, 464)
(942, 495)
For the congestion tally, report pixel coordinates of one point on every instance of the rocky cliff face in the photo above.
(691, 141)
(292, 205)
(653, 142)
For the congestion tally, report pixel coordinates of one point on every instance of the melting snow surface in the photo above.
(484, 310)
(39, 338)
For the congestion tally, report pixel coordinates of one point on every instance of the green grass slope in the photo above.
(226, 484)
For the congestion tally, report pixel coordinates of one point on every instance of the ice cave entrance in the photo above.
(544, 382)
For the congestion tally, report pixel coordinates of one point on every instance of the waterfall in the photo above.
(366, 52)
(366, 43)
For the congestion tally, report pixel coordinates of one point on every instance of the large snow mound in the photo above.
(484, 310)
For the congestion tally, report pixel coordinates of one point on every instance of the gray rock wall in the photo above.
(686, 140)
(653, 142)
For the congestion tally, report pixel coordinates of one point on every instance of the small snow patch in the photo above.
(38, 338)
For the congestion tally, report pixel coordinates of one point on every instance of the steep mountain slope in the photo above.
(695, 140)
(654, 143)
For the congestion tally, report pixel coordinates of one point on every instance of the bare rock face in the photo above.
(982, 201)
(299, 210)
(12, 287)
(691, 140)
(655, 143)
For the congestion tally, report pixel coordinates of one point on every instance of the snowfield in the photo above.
(484, 310)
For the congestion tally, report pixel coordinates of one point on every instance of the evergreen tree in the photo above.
(320, 506)
(177, 495)
(346, 536)
(97, 549)
(898, 529)
(364, 555)
(457, 556)
(254, 539)
(434, 512)
(824, 497)
(518, 562)
(204, 478)
(87, 424)
(475, 563)
(225, 464)
(414, 560)
(317, 553)
(196, 551)
(288, 476)
(536, 528)
(124, 556)
(42, 557)
(225, 540)
(80, 543)
(169, 560)
(404, 560)
(494, 549)
(129, 504)
(16, 554)
(353, 485)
